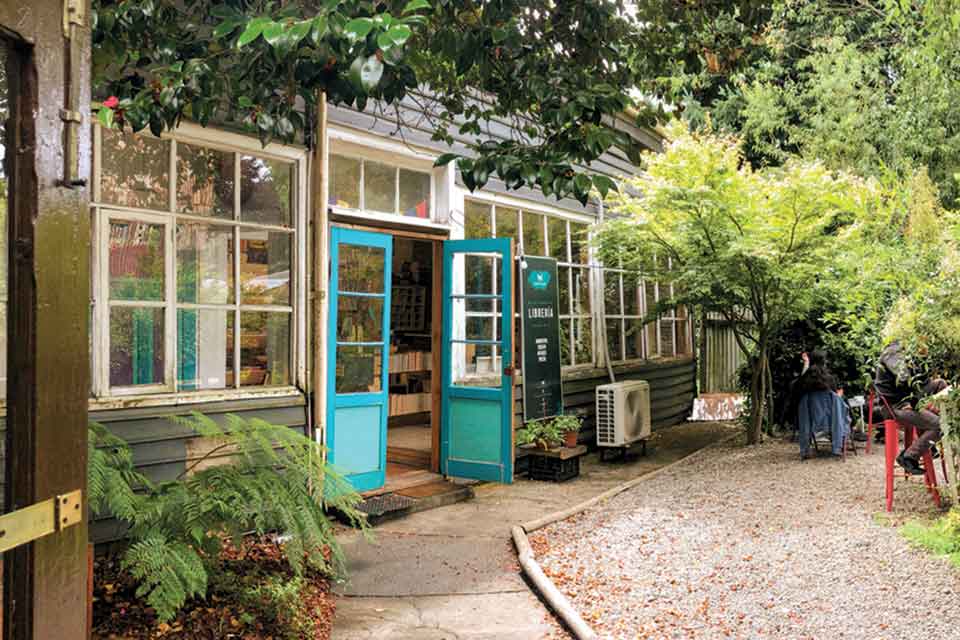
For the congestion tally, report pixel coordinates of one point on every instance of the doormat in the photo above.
(376, 506)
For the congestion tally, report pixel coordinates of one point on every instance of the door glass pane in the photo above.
(265, 190)
(136, 261)
(359, 319)
(506, 219)
(414, 194)
(533, 234)
(358, 369)
(135, 170)
(204, 349)
(205, 181)
(482, 328)
(479, 273)
(136, 346)
(379, 187)
(265, 266)
(204, 264)
(344, 182)
(361, 269)
(264, 348)
(476, 365)
(477, 220)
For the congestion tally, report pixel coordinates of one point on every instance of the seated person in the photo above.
(819, 406)
(902, 388)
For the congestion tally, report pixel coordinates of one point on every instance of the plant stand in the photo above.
(555, 465)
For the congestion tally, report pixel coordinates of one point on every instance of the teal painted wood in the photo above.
(476, 425)
(356, 432)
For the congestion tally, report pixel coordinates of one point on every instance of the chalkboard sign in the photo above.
(540, 332)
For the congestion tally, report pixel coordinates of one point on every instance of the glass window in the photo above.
(136, 263)
(557, 238)
(506, 220)
(414, 194)
(477, 220)
(379, 187)
(533, 234)
(579, 243)
(265, 191)
(205, 181)
(135, 170)
(219, 339)
(344, 182)
(264, 266)
(358, 368)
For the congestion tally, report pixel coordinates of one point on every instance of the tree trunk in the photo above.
(757, 397)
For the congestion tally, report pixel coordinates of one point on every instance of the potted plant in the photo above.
(543, 434)
(569, 425)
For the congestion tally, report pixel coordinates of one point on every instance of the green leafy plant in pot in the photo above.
(569, 425)
(540, 433)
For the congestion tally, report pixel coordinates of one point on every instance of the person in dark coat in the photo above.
(903, 387)
(819, 405)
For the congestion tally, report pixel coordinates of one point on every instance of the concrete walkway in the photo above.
(451, 573)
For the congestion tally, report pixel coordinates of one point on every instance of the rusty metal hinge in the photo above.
(41, 519)
(74, 12)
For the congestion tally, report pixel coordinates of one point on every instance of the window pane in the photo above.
(583, 340)
(581, 291)
(479, 273)
(379, 187)
(563, 288)
(507, 223)
(653, 349)
(205, 181)
(264, 349)
(359, 319)
(634, 338)
(265, 266)
(136, 261)
(533, 234)
(666, 337)
(611, 293)
(565, 358)
(204, 264)
(358, 369)
(631, 298)
(136, 346)
(650, 297)
(204, 349)
(476, 365)
(614, 343)
(483, 328)
(135, 170)
(557, 237)
(579, 243)
(265, 190)
(476, 220)
(414, 194)
(360, 269)
(344, 182)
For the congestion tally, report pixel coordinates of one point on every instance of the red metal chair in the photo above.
(891, 442)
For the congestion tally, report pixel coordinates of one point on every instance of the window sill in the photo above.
(189, 398)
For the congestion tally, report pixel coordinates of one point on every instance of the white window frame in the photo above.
(524, 206)
(366, 148)
(103, 396)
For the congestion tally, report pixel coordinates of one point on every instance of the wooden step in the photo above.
(412, 457)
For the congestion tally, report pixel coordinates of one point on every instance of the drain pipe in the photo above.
(603, 312)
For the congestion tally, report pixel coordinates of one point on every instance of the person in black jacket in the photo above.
(902, 388)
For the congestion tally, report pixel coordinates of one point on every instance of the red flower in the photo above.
(111, 102)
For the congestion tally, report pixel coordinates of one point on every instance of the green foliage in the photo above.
(560, 72)
(750, 245)
(280, 602)
(548, 432)
(274, 481)
(941, 538)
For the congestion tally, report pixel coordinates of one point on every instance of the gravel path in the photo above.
(752, 543)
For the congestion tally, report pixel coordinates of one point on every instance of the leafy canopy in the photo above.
(558, 72)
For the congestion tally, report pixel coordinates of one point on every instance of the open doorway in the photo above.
(410, 439)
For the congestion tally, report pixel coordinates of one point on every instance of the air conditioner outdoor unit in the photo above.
(623, 413)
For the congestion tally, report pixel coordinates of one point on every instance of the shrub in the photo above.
(275, 480)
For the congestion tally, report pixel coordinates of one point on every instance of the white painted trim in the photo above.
(372, 217)
(527, 205)
(143, 399)
(352, 142)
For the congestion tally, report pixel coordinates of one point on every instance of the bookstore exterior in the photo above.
(205, 296)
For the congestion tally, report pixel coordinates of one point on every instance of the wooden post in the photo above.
(49, 161)
(319, 273)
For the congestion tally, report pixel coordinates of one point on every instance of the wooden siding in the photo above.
(722, 358)
(672, 390)
(162, 450)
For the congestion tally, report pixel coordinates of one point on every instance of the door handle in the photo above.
(508, 371)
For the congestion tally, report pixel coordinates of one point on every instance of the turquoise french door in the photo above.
(358, 357)
(476, 429)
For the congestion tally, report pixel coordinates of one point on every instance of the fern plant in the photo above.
(274, 480)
